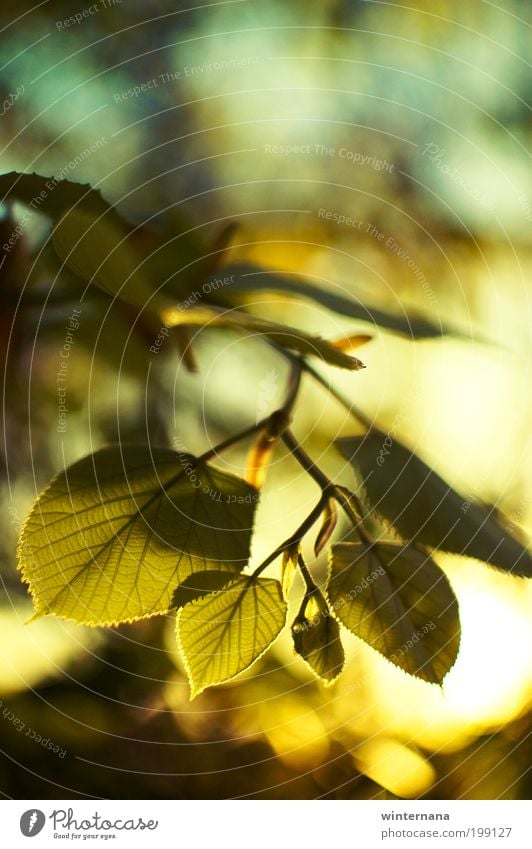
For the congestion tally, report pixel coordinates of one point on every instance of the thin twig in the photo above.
(357, 521)
(305, 461)
(307, 577)
(296, 537)
(329, 489)
(283, 413)
(294, 384)
(233, 440)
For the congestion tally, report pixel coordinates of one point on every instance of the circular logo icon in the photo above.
(32, 822)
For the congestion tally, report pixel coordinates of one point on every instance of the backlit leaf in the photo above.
(200, 584)
(316, 638)
(113, 535)
(399, 601)
(100, 252)
(285, 336)
(223, 633)
(422, 507)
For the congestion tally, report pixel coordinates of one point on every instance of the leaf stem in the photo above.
(296, 537)
(344, 500)
(233, 440)
(274, 422)
(307, 463)
(329, 489)
(294, 384)
(311, 587)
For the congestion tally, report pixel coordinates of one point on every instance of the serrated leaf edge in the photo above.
(196, 691)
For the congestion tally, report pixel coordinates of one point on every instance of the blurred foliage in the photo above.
(432, 111)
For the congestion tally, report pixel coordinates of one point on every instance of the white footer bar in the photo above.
(266, 824)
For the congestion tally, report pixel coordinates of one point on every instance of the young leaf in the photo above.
(350, 500)
(225, 632)
(289, 568)
(399, 602)
(316, 638)
(285, 336)
(252, 278)
(425, 509)
(258, 459)
(351, 343)
(113, 535)
(330, 520)
(98, 250)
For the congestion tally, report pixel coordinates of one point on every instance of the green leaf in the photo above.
(113, 535)
(174, 258)
(398, 601)
(225, 632)
(200, 584)
(283, 335)
(423, 508)
(99, 251)
(252, 278)
(53, 197)
(316, 638)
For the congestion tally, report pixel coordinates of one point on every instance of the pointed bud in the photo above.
(289, 568)
(258, 460)
(330, 519)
